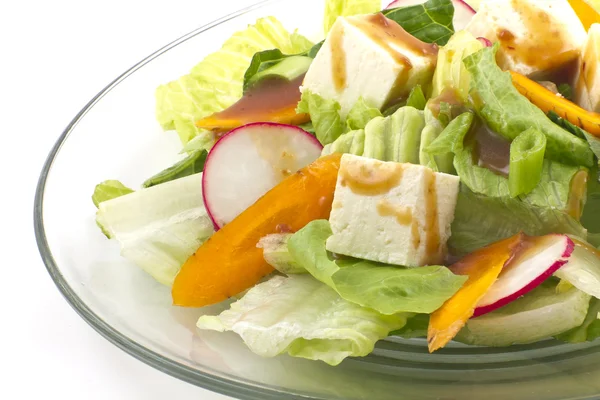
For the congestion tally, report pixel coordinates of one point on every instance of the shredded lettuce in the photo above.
(385, 288)
(345, 8)
(303, 317)
(160, 227)
(540, 314)
(216, 82)
(508, 113)
(480, 220)
(430, 22)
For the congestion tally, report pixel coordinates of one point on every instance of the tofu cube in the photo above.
(587, 84)
(535, 36)
(391, 212)
(372, 57)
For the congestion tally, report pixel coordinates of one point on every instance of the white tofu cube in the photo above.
(534, 35)
(392, 213)
(372, 57)
(587, 84)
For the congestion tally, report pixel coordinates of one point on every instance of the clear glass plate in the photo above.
(116, 136)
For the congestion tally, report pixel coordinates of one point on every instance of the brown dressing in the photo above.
(264, 98)
(403, 214)
(492, 151)
(283, 162)
(577, 193)
(544, 46)
(432, 227)
(371, 181)
(416, 234)
(450, 96)
(338, 57)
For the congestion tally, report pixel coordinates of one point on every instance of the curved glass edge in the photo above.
(217, 384)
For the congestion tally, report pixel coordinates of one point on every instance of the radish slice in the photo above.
(539, 260)
(486, 42)
(248, 162)
(462, 11)
(583, 269)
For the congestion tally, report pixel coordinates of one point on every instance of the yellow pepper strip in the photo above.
(549, 101)
(585, 12)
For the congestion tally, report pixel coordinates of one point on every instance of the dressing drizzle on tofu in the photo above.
(371, 182)
(388, 35)
(540, 51)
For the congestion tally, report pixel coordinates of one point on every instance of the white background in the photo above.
(54, 57)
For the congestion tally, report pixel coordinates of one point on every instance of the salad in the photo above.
(425, 170)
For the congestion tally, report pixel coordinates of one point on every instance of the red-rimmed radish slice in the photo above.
(462, 11)
(248, 162)
(541, 257)
(583, 269)
(486, 42)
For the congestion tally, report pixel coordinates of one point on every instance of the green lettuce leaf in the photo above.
(109, 190)
(593, 141)
(590, 328)
(416, 98)
(160, 227)
(217, 81)
(430, 22)
(480, 220)
(345, 8)
(277, 255)
(416, 327)
(452, 137)
(540, 314)
(192, 164)
(450, 72)
(303, 317)
(360, 114)
(324, 114)
(204, 140)
(508, 113)
(384, 288)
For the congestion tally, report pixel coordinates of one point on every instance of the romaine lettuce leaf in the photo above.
(109, 190)
(480, 220)
(345, 8)
(385, 288)
(450, 72)
(192, 164)
(216, 82)
(590, 328)
(575, 130)
(303, 317)
(277, 255)
(430, 22)
(508, 113)
(415, 327)
(324, 114)
(416, 98)
(360, 114)
(204, 140)
(540, 314)
(158, 228)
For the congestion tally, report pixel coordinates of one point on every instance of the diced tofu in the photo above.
(587, 86)
(372, 57)
(535, 35)
(391, 212)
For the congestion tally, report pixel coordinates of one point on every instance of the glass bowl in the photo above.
(116, 137)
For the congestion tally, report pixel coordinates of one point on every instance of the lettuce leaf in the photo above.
(192, 164)
(303, 317)
(345, 8)
(416, 98)
(480, 220)
(109, 190)
(593, 141)
(590, 328)
(385, 288)
(430, 22)
(508, 113)
(415, 327)
(216, 82)
(540, 314)
(324, 114)
(360, 114)
(160, 227)
(450, 72)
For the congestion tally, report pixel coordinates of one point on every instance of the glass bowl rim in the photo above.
(229, 387)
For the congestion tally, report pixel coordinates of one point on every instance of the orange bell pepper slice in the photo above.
(220, 122)
(547, 101)
(483, 268)
(229, 262)
(585, 12)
